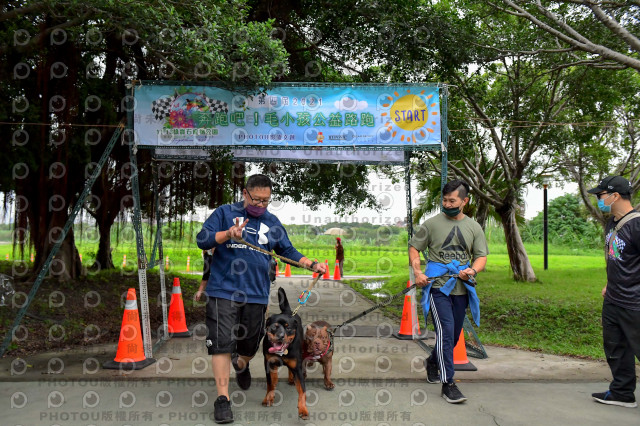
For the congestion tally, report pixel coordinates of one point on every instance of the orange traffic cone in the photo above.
(177, 321)
(287, 270)
(460, 360)
(325, 276)
(277, 267)
(336, 271)
(130, 354)
(409, 320)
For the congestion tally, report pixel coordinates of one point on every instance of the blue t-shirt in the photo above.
(238, 272)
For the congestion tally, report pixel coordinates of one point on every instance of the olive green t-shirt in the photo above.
(448, 239)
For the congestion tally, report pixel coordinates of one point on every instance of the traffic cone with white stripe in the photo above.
(130, 354)
(409, 324)
(177, 319)
(326, 275)
(336, 271)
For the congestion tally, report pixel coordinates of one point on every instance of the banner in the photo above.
(289, 116)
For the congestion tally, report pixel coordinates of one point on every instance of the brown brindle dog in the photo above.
(282, 345)
(318, 347)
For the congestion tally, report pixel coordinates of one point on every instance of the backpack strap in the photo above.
(609, 247)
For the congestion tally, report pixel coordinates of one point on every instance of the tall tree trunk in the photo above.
(66, 265)
(104, 260)
(47, 189)
(520, 264)
(112, 196)
(482, 212)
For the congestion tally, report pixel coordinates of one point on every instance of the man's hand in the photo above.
(421, 279)
(320, 268)
(235, 232)
(604, 291)
(465, 274)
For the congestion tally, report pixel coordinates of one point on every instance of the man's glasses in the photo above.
(601, 194)
(257, 201)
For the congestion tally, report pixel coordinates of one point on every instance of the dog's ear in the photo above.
(308, 328)
(324, 328)
(283, 302)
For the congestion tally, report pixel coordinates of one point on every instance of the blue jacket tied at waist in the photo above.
(434, 270)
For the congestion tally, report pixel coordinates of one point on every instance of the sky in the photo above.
(392, 196)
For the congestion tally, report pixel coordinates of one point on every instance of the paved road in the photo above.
(353, 402)
(379, 381)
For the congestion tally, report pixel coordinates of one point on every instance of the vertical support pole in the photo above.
(407, 188)
(445, 138)
(546, 228)
(137, 225)
(163, 292)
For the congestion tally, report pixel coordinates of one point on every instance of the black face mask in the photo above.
(452, 212)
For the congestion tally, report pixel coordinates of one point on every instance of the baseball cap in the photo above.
(612, 184)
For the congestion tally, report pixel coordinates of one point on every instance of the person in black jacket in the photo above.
(621, 305)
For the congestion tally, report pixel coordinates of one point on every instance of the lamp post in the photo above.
(545, 185)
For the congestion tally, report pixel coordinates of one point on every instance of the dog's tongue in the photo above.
(277, 347)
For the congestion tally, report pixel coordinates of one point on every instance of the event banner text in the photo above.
(286, 115)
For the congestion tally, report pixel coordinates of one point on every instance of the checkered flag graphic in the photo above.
(162, 107)
(216, 105)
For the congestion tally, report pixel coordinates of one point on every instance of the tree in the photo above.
(68, 61)
(366, 41)
(512, 121)
(597, 33)
(612, 145)
(568, 224)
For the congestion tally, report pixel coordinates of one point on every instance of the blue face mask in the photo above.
(603, 207)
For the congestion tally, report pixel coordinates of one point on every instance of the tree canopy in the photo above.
(602, 34)
(66, 64)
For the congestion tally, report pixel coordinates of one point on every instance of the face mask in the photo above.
(452, 212)
(255, 211)
(603, 207)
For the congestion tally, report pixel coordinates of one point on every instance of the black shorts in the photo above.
(234, 327)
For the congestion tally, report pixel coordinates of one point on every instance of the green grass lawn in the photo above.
(560, 313)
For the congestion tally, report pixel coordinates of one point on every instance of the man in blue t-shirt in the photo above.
(239, 284)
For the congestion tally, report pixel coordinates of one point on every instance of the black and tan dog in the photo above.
(282, 345)
(317, 346)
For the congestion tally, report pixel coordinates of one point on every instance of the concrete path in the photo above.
(379, 381)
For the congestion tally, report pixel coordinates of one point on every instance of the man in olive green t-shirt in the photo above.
(448, 237)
